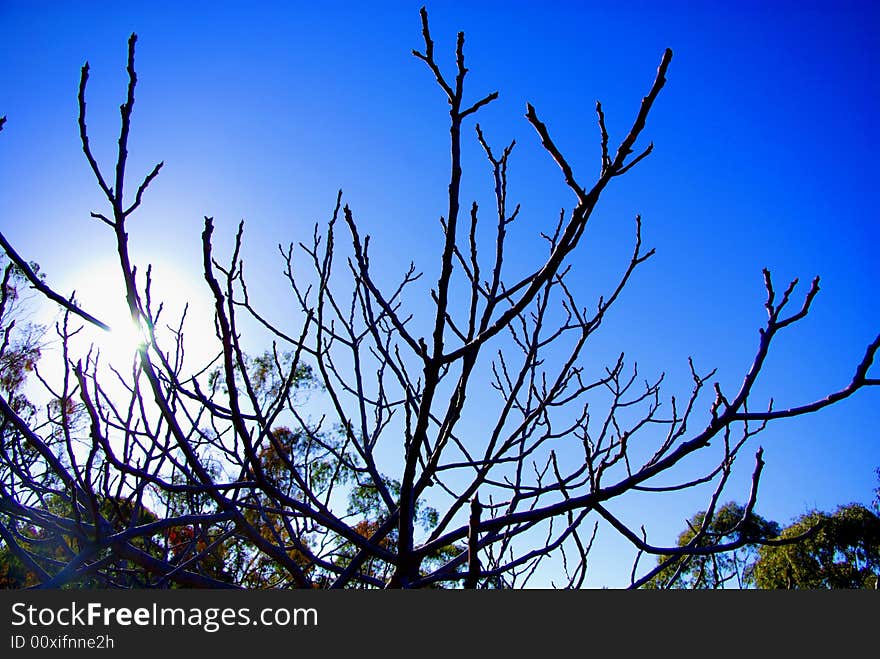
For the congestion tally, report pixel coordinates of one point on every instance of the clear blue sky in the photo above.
(765, 156)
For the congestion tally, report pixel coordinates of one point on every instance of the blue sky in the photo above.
(765, 138)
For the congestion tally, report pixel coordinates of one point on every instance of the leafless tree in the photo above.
(221, 477)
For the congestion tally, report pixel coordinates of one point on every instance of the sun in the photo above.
(100, 290)
(125, 338)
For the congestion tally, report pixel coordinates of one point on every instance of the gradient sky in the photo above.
(765, 156)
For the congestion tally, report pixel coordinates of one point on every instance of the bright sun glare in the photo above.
(100, 291)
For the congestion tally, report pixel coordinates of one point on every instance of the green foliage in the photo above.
(19, 353)
(712, 571)
(270, 374)
(366, 503)
(843, 553)
(20, 340)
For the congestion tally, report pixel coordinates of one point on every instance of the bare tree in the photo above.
(220, 476)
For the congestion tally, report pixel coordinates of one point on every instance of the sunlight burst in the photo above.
(100, 291)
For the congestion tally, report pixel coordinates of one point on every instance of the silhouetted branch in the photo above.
(40, 286)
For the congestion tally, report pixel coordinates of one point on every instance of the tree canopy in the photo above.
(843, 552)
(730, 525)
(819, 550)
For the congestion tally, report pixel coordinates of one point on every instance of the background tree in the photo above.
(729, 525)
(19, 353)
(844, 552)
(338, 494)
